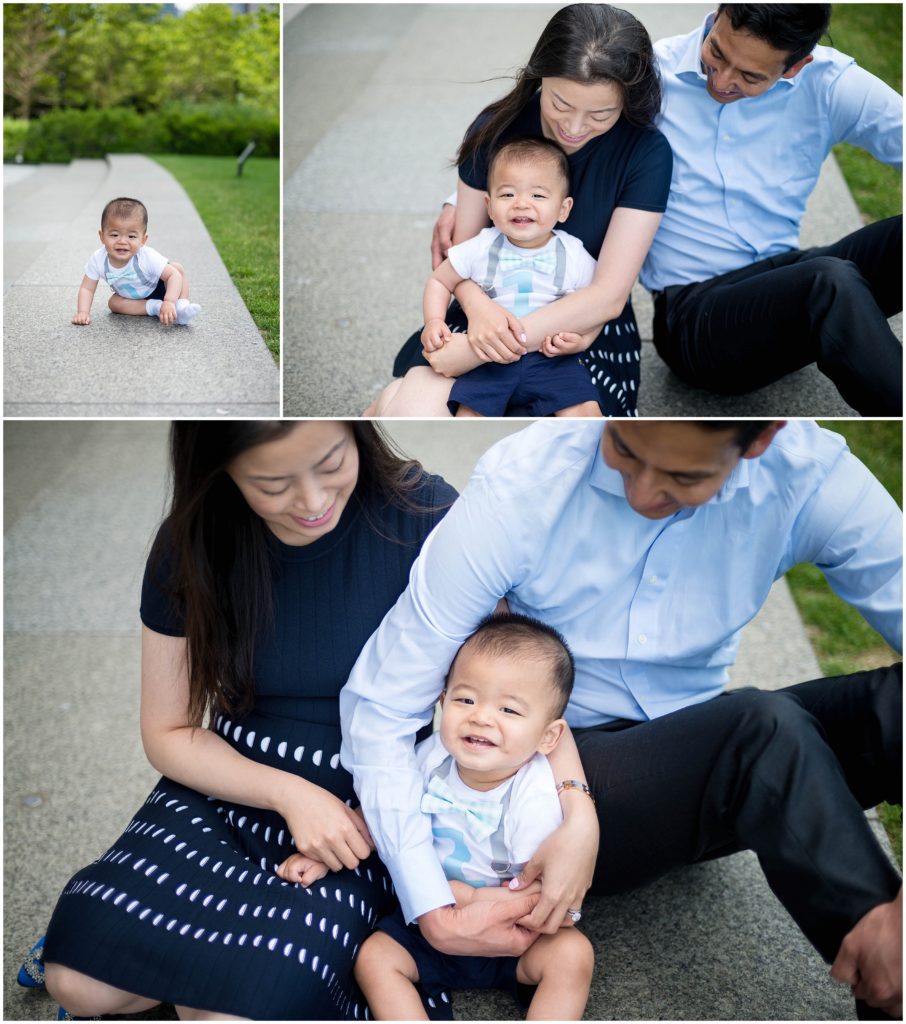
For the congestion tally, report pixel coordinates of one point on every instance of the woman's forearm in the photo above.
(567, 765)
(202, 760)
(582, 312)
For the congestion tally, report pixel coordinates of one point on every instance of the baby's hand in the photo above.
(82, 319)
(304, 870)
(566, 343)
(435, 335)
(167, 312)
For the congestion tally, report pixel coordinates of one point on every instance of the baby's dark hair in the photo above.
(527, 151)
(522, 637)
(125, 208)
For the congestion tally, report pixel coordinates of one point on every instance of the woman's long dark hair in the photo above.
(586, 43)
(220, 573)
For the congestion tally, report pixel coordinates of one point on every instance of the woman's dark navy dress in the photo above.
(185, 906)
(628, 167)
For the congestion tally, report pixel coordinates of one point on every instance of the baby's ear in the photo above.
(564, 209)
(552, 736)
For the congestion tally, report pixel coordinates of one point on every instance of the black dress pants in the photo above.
(784, 773)
(828, 305)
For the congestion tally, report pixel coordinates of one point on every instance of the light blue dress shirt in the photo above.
(743, 171)
(652, 609)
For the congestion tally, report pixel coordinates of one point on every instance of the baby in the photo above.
(492, 799)
(522, 263)
(144, 283)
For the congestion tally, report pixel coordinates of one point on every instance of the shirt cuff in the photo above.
(419, 881)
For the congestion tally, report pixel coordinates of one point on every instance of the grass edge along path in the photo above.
(242, 216)
(842, 639)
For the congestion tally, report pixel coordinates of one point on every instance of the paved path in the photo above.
(119, 366)
(82, 502)
(377, 101)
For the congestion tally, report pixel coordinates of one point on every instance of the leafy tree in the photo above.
(139, 55)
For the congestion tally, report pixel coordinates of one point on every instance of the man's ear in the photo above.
(791, 72)
(552, 736)
(761, 443)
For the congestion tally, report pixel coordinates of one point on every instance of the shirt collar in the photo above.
(689, 65)
(603, 478)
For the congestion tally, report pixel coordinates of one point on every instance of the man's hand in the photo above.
(435, 335)
(870, 958)
(82, 319)
(481, 928)
(442, 238)
(566, 343)
(167, 312)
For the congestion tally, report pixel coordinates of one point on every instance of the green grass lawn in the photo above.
(843, 641)
(873, 34)
(242, 216)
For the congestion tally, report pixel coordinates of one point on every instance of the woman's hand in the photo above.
(495, 335)
(565, 863)
(442, 238)
(323, 827)
(481, 927)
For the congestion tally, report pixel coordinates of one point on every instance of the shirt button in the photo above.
(643, 639)
(653, 578)
(726, 138)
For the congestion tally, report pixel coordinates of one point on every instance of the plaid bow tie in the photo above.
(544, 262)
(482, 816)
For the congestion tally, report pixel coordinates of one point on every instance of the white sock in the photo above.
(186, 311)
(152, 307)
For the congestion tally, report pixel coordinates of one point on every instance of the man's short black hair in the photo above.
(507, 634)
(531, 150)
(793, 28)
(745, 431)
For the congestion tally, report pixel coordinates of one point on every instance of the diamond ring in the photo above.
(574, 915)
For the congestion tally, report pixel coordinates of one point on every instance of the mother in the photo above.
(591, 86)
(285, 545)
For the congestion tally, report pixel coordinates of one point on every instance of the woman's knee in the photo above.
(78, 993)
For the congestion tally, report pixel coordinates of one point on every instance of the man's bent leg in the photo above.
(877, 250)
(749, 769)
(749, 328)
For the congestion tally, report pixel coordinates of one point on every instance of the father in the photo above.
(649, 545)
(751, 109)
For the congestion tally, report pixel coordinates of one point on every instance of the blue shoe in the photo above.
(31, 973)
(66, 1015)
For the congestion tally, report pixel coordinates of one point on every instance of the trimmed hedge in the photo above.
(210, 129)
(14, 133)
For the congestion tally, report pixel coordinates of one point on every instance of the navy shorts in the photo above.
(160, 290)
(438, 971)
(536, 383)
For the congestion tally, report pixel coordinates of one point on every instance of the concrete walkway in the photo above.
(82, 502)
(119, 365)
(377, 100)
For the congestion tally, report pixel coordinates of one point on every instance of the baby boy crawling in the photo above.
(144, 283)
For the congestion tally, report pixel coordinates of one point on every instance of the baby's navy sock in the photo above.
(186, 311)
(152, 307)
